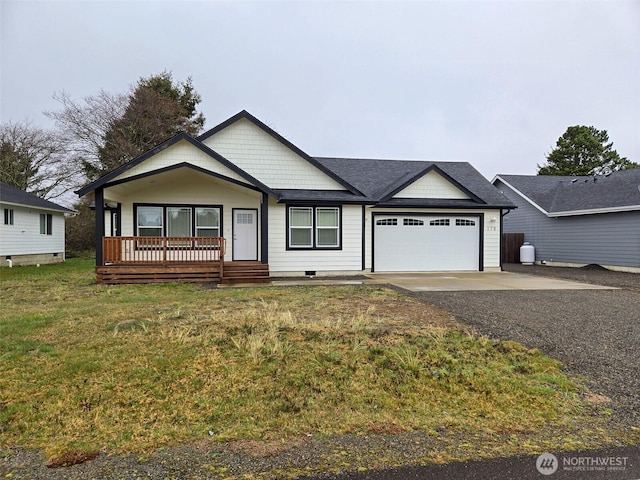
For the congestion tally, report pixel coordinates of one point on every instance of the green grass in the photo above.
(135, 367)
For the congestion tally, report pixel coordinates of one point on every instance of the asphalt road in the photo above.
(621, 464)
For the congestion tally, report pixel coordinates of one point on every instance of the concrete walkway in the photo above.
(450, 281)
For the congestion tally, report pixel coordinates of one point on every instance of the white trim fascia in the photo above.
(593, 211)
(524, 197)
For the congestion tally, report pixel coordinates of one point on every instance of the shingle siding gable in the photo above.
(267, 159)
(431, 185)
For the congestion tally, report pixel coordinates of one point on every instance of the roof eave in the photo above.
(519, 193)
(594, 211)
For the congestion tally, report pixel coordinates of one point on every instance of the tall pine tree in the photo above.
(584, 150)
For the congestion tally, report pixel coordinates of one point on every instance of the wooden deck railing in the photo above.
(162, 250)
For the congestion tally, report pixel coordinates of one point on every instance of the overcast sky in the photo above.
(491, 83)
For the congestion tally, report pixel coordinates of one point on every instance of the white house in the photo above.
(243, 197)
(31, 228)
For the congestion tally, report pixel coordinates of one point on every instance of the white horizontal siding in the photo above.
(431, 185)
(348, 259)
(200, 191)
(24, 237)
(181, 152)
(267, 159)
(491, 233)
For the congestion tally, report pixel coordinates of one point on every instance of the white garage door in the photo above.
(404, 243)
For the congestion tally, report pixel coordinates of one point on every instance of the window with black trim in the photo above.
(177, 221)
(313, 227)
(46, 224)
(8, 216)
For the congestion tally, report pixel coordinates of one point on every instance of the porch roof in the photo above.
(110, 177)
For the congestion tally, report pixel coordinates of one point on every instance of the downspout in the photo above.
(502, 215)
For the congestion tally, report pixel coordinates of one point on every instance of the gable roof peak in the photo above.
(243, 114)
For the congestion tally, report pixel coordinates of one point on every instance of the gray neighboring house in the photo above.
(577, 220)
(31, 228)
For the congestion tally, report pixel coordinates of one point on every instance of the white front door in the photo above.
(245, 234)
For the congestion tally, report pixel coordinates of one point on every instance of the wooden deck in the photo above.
(174, 259)
(230, 273)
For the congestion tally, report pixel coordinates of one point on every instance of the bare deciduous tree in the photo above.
(34, 160)
(84, 124)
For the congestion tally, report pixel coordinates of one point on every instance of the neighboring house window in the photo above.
(461, 222)
(441, 222)
(46, 224)
(177, 221)
(8, 216)
(314, 227)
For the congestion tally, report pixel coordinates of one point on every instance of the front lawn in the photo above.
(132, 368)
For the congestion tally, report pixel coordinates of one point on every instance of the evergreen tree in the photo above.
(584, 150)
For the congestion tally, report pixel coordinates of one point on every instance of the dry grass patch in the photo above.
(135, 367)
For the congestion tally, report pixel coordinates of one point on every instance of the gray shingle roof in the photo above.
(13, 195)
(379, 179)
(557, 194)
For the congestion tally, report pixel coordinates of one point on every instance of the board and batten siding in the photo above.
(491, 233)
(611, 239)
(201, 191)
(24, 237)
(267, 159)
(181, 152)
(431, 185)
(294, 262)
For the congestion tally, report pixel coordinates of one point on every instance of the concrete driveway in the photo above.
(470, 281)
(449, 281)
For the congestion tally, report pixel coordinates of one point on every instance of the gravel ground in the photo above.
(594, 333)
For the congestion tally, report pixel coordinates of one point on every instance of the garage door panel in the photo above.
(430, 243)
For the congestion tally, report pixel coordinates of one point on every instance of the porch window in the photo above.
(207, 222)
(313, 227)
(150, 221)
(178, 221)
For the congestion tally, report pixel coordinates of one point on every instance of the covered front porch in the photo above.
(155, 259)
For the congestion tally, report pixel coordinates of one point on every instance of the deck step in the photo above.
(245, 272)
